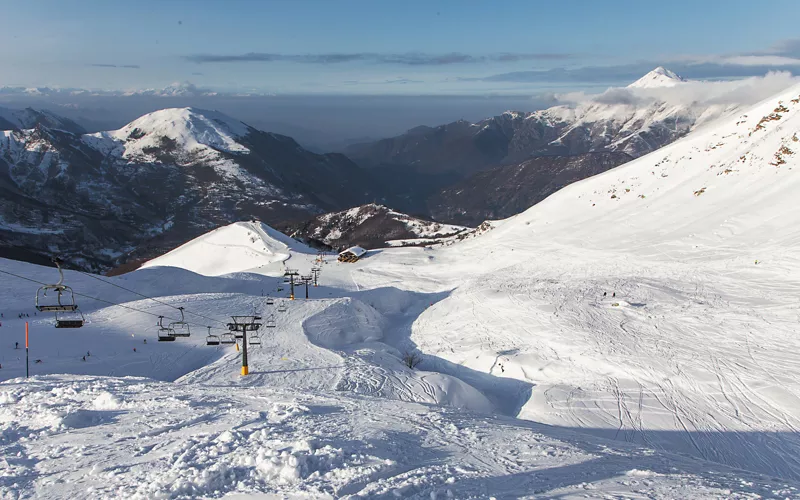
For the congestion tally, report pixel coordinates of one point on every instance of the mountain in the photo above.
(20, 119)
(629, 125)
(501, 192)
(659, 77)
(98, 199)
(370, 226)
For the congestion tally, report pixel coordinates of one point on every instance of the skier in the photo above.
(145, 341)
(88, 353)
(16, 345)
(614, 294)
(605, 294)
(134, 349)
(84, 358)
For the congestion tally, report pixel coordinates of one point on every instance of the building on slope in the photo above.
(352, 254)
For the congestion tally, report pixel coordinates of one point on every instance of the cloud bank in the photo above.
(745, 91)
(406, 59)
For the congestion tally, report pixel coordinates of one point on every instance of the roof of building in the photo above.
(357, 251)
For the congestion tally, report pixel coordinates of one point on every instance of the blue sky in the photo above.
(383, 47)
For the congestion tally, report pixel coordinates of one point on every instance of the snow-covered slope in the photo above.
(653, 303)
(239, 247)
(188, 129)
(28, 118)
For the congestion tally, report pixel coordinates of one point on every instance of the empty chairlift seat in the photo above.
(61, 301)
(165, 334)
(212, 339)
(180, 328)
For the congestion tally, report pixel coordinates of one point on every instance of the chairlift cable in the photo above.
(147, 297)
(96, 299)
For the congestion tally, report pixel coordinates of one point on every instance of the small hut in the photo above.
(352, 254)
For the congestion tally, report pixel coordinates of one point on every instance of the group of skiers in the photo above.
(19, 316)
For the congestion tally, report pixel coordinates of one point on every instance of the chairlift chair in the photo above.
(270, 321)
(165, 334)
(65, 296)
(73, 319)
(227, 338)
(282, 307)
(254, 339)
(180, 328)
(270, 301)
(212, 339)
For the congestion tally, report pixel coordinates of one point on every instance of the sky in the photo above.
(387, 47)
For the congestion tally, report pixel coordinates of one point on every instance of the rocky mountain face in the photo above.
(98, 199)
(627, 125)
(507, 190)
(369, 226)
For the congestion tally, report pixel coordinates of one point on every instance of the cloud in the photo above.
(730, 67)
(128, 66)
(745, 91)
(405, 59)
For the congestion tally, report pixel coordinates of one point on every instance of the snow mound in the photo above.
(659, 77)
(238, 247)
(343, 324)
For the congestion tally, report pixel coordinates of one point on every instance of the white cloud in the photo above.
(745, 91)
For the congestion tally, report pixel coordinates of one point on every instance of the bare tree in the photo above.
(412, 358)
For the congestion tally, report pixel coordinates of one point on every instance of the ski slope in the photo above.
(632, 335)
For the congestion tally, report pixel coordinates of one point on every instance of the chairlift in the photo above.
(282, 307)
(64, 301)
(180, 328)
(254, 339)
(227, 338)
(270, 301)
(73, 319)
(212, 339)
(270, 321)
(165, 334)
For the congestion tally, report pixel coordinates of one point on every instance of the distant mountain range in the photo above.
(166, 177)
(462, 148)
(105, 198)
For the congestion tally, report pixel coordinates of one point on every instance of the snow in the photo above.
(659, 77)
(633, 335)
(239, 247)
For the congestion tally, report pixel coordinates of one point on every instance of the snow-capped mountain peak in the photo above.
(659, 77)
(188, 128)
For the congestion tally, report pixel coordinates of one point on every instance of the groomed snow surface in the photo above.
(634, 335)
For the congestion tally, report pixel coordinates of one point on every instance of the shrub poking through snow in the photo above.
(412, 358)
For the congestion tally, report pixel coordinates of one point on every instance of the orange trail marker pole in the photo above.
(27, 364)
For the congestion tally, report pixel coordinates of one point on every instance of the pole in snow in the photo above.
(27, 363)
(306, 280)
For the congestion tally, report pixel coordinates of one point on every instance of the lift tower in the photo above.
(244, 324)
